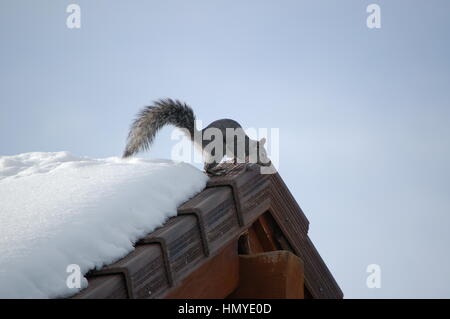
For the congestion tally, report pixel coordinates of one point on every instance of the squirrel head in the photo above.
(263, 159)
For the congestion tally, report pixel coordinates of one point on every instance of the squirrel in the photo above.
(167, 111)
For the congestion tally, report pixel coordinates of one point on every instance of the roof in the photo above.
(205, 225)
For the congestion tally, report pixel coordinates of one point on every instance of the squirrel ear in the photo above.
(262, 141)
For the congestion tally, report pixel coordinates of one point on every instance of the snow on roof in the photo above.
(57, 209)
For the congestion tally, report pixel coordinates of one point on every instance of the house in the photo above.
(243, 236)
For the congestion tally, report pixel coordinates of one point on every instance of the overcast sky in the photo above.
(364, 114)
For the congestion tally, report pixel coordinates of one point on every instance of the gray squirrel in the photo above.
(173, 112)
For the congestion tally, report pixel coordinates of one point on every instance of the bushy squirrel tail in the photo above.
(152, 118)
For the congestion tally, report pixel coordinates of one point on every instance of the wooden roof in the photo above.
(205, 226)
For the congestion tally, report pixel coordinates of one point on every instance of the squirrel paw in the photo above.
(216, 171)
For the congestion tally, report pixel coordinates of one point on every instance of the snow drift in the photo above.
(57, 209)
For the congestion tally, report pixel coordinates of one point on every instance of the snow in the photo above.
(57, 209)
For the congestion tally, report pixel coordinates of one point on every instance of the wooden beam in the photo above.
(273, 275)
(249, 243)
(217, 277)
(258, 238)
(265, 234)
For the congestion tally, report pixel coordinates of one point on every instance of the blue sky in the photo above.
(364, 114)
